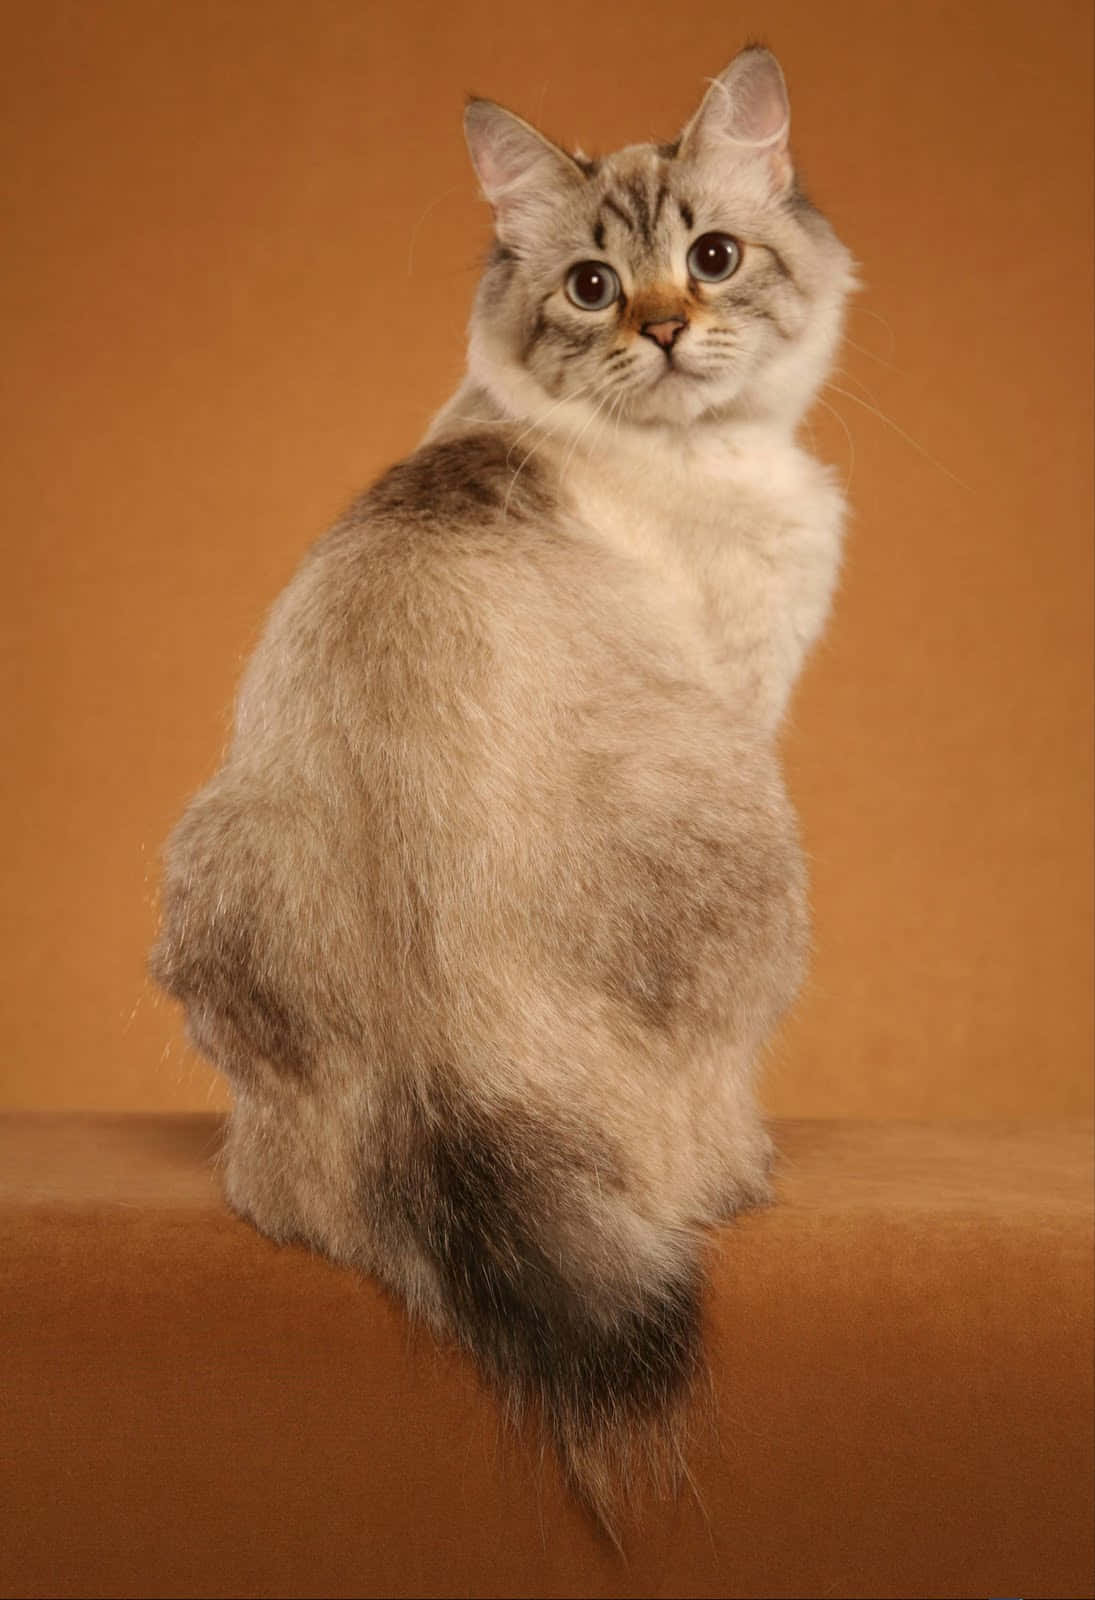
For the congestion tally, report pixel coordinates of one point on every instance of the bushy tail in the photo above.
(570, 1299)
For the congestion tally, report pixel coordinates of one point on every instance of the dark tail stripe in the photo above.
(480, 1199)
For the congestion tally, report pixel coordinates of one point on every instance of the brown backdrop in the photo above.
(242, 241)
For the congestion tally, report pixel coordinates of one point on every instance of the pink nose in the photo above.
(664, 333)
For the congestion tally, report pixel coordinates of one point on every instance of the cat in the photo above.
(498, 895)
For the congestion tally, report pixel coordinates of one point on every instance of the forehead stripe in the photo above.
(777, 260)
(609, 203)
(779, 263)
(636, 193)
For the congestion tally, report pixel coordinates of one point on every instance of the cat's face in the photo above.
(664, 283)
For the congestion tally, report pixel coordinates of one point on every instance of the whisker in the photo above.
(434, 203)
(539, 421)
(579, 394)
(577, 437)
(865, 311)
(875, 412)
(852, 378)
(862, 348)
(606, 420)
(833, 412)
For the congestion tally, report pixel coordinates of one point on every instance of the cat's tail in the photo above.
(537, 1253)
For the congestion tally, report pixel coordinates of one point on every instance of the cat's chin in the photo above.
(675, 399)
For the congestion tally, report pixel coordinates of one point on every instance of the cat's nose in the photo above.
(664, 333)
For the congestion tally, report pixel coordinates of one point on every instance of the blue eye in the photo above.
(591, 286)
(713, 257)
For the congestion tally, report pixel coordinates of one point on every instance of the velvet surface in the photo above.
(901, 1353)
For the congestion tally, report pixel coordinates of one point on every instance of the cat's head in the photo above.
(664, 283)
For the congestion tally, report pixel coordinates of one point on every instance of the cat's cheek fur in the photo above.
(498, 896)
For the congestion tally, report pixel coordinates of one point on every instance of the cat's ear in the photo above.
(745, 116)
(519, 171)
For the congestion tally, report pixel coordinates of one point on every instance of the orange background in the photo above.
(241, 246)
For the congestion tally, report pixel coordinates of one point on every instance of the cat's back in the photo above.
(472, 495)
(462, 532)
(462, 482)
(462, 583)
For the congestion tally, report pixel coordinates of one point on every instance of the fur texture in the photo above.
(497, 894)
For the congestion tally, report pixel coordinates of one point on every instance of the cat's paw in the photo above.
(747, 1184)
(744, 1195)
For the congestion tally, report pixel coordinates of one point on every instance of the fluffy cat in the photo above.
(497, 894)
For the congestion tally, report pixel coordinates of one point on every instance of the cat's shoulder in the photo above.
(462, 480)
(466, 519)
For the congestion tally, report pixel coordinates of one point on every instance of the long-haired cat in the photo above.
(497, 894)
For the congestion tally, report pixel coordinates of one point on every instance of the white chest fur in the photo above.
(738, 533)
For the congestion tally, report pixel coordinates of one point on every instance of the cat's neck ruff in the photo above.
(573, 429)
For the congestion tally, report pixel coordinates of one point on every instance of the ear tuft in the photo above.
(513, 162)
(745, 113)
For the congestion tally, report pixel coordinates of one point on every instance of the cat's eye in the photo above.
(713, 257)
(592, 286)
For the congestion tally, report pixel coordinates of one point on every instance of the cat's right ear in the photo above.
(520, 172)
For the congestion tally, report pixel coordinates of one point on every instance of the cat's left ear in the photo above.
(745, 116)
(521, 173)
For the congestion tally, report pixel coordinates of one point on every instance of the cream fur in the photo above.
(497, 896)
